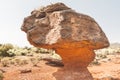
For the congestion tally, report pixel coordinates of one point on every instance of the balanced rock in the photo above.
(74, 36)
(57, 24)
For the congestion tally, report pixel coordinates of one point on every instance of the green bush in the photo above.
(4, 48)
(17, 52)
(8, 50)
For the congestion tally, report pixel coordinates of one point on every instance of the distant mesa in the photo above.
(115, 45)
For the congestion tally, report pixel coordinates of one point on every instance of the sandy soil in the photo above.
(107, 70)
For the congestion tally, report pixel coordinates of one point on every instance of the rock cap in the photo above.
(58, 26)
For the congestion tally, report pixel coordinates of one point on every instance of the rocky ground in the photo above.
(108, 69)
(41, 64)
(104, 69)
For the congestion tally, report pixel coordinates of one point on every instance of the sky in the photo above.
(12, 12)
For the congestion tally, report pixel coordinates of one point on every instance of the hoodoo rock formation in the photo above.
(74, 36)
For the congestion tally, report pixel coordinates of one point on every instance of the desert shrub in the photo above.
(34, 61)
(42, 50)
(101, 56)
(17, 51)
(95, 62)
(4, 48)
(8, 50)
(17, 61)
(34, 49)
(56, 56)
(12, 62)
(118, 51)
(20, 60)
(5, 61)
(39, 50)
(23, 62)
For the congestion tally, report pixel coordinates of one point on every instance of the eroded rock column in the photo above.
(75, 63)
(74, 36)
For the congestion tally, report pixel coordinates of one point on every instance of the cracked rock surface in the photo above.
(74, 36)
(58, 24)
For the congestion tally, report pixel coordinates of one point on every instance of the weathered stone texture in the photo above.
(57, 24)
(73, 35)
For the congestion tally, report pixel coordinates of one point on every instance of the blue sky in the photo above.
(12, 13)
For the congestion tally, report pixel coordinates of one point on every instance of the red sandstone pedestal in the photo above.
(75, 62)
(73, 35)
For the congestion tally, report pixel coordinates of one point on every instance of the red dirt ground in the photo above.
(107, 70)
